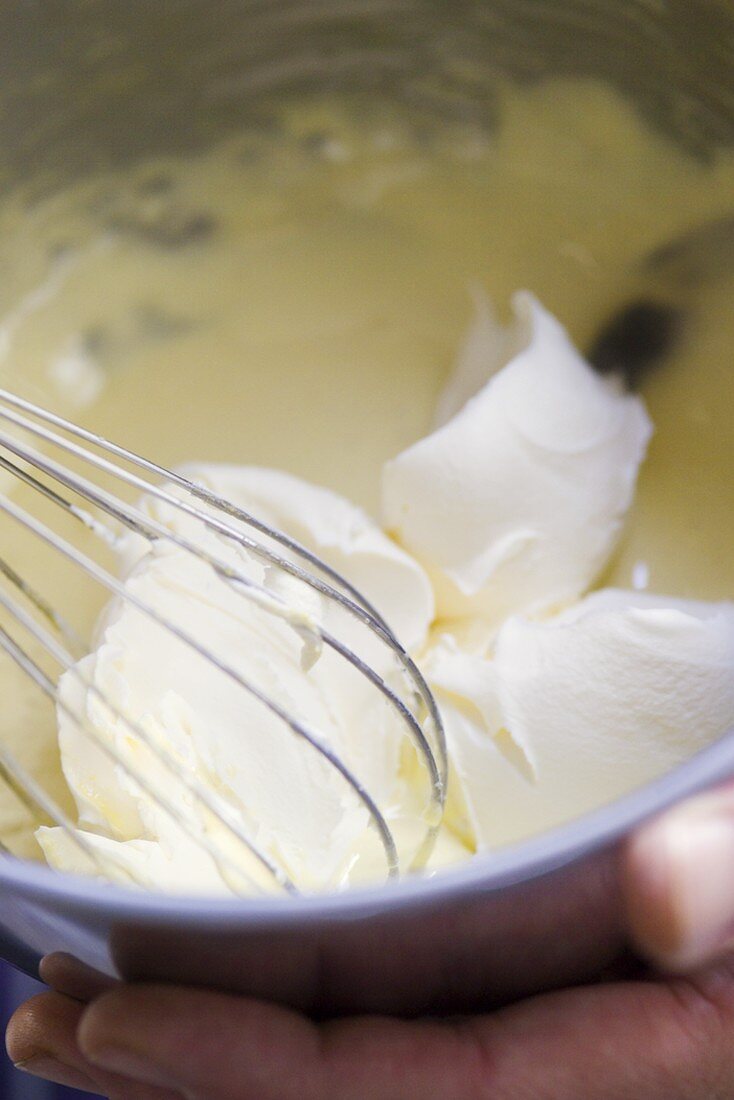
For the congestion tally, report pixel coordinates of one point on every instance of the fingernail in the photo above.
(129, 1063)
(700, 851)
(52, 1070)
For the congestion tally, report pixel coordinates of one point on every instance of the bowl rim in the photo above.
(529, 859)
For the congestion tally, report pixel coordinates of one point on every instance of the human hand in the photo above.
(636, 1040)
(671, 1039)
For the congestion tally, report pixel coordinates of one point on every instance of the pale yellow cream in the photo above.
(312, 314)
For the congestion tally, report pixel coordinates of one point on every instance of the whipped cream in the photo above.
(292, 801)
(573, 711)
(554, 701)
(516, 503)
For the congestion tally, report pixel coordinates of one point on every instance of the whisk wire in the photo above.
(361, 609)
(31, 667)
(44, 476)
(92, 569)
(150, 529)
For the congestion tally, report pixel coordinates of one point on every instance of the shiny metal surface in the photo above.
(33, 616)
(96, 82)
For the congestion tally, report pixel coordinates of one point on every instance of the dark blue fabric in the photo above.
(14, 1085)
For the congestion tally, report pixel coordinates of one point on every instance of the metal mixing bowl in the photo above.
(96, 83)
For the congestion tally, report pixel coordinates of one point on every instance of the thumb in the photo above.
(678, 883)
(663, 1041)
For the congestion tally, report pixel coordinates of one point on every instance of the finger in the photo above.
(660, 1041)
(41, 1040)
(678, 883)
(66, 974)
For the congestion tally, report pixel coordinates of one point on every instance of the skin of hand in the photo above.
(663, 1036)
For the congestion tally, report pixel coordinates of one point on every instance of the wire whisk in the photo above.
(66, 491)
